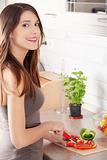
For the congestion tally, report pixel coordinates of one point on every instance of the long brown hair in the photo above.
(9, 19)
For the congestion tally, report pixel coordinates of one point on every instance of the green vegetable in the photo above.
(87, 134)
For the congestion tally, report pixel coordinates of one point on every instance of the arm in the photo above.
(20, 136)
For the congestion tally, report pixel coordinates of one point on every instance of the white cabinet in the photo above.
(91, 6)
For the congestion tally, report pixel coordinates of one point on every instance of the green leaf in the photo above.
(74, 86)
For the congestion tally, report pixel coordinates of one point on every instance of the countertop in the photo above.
(55, 152)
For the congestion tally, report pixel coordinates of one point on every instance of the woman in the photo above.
(21, 132)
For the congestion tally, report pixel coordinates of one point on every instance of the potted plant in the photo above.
(75, 88)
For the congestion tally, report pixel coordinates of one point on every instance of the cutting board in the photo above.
(99, 148)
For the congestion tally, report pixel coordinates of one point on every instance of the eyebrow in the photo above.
(28, 21)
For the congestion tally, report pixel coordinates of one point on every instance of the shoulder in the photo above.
(8, 77)
(10, 82)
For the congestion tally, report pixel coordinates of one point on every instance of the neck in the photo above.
(19, 54)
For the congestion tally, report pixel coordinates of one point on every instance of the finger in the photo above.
(58, 132)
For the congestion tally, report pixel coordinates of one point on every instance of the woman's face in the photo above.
(26, 35)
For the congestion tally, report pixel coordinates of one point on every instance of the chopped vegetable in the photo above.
(85, 146)
(66, 136)
(77, 142)
(102, 126)
(87, 134)
(70, 143)
(105, 116)
(105, 131)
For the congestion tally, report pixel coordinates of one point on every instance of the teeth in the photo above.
(33, 39)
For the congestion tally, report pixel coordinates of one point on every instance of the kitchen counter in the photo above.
(56, 152)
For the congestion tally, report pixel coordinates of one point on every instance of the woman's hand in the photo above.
(55, 131)
(56, 138)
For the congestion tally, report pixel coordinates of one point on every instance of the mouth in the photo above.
(33, 39)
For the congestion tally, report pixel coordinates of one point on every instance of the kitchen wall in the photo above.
(79, 40)
(2, 4)
(44, 6)
(85, 52)
(76, 40)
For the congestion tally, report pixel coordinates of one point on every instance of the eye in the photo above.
(37, 23)
(25, 25)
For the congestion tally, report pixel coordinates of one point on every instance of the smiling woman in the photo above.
(21, 98)
(29, 32)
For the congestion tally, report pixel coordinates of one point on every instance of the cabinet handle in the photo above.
(103, 20)
(50, 14)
